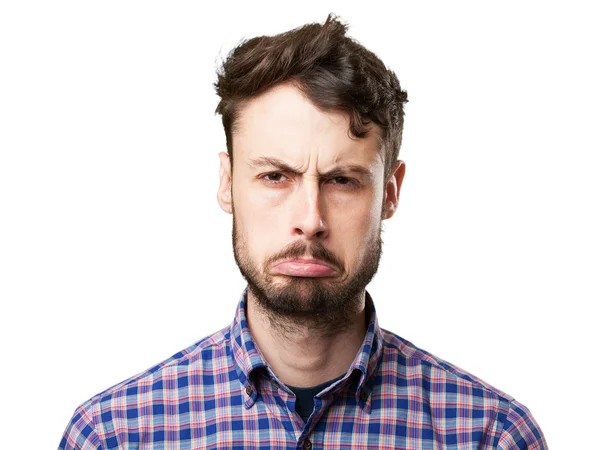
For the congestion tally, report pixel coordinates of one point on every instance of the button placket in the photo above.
(250, 396)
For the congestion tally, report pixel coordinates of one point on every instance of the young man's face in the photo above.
(303, 189)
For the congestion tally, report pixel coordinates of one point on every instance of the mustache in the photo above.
(300, 249)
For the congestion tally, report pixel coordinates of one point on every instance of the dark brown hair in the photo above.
(334, 71)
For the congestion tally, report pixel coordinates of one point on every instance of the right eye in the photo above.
(273, 177)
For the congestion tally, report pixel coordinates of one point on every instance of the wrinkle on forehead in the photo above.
(284, 123)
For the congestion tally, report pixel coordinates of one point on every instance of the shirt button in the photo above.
(307, 445)
(249, 390)
(364, 396)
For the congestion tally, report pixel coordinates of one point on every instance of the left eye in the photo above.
(340, 180)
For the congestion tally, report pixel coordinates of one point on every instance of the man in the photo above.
(313, 124)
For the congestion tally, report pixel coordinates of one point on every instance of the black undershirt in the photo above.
(305, 397)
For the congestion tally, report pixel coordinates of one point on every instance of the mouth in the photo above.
(313, 268)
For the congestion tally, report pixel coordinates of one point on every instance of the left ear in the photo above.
(392, 190)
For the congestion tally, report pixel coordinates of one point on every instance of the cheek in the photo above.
(354, 225)
(263, 217)
(359, 214)
(259, 222)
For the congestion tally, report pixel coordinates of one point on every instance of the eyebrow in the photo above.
(276, 163)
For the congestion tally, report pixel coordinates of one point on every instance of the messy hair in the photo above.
(334, 71)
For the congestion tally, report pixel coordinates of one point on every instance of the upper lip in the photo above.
(309, 261)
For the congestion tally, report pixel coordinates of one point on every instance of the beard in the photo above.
(324, 306)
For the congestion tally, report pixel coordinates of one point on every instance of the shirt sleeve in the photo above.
(80, 433)
(521, 431)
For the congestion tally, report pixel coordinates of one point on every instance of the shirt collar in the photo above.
(248, 358)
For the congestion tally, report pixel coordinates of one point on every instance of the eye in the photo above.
(344, 182)
(341, 180)
(273, 178)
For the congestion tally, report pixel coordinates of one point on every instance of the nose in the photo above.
(308, 219)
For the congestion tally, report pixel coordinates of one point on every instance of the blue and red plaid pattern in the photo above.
(220, 393)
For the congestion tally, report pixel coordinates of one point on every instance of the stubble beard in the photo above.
(324, 306)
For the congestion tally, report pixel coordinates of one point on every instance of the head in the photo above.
(313, 124)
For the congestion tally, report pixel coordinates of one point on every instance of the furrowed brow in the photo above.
(275, 163)
(346, 170)
(278, 164)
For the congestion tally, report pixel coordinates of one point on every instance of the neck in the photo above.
(299, 355)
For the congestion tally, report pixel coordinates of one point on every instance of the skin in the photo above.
(281, 213)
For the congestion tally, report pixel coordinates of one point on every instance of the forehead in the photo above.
(284, 123)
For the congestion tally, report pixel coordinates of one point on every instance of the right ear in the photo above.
(224, 191)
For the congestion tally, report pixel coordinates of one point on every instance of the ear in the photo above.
(224, 191)
(392, 190)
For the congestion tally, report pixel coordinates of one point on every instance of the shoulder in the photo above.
(521, 430)
(197, 357)
(416, 362)
(448, 391)
(148, 393)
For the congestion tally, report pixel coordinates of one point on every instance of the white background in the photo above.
(114, 253)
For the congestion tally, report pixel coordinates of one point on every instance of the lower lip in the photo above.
(300, 269)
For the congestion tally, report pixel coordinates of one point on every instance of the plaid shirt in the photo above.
(221, 393)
